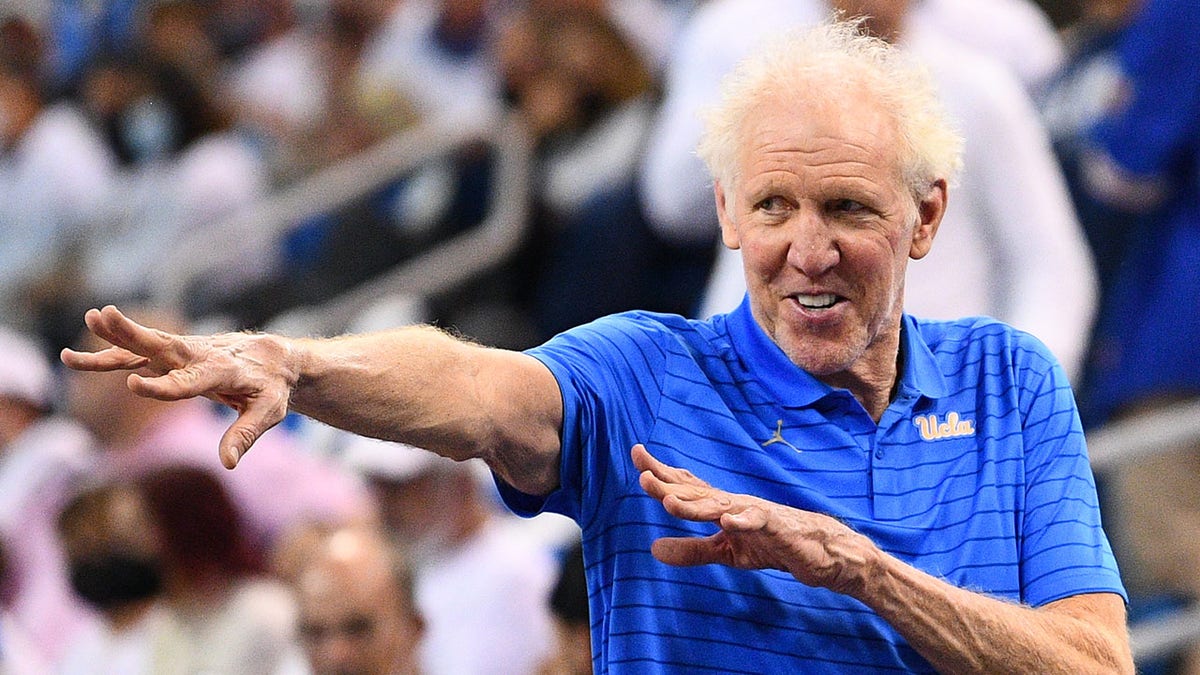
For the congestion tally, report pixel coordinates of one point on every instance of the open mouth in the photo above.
(818, 302)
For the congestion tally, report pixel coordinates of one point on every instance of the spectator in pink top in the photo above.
(41, 456)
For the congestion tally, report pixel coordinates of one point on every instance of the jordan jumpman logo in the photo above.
(778, 437)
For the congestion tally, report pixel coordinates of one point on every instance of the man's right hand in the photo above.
(253, 374)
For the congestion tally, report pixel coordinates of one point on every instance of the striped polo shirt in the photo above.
(977, 473)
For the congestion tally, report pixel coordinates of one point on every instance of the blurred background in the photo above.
(509, 169)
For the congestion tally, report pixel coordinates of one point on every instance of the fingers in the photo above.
(110, 325)
(249, 426)
(134, 345)
(113, 358)
(687, 551)
(747, 519)
(642, 459)
(235, 443)
(682, 494)
(645, 462)
(175, 385)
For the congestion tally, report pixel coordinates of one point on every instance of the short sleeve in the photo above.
(610, 374)
(1064, 549)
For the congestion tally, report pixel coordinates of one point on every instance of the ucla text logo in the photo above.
(953, 427)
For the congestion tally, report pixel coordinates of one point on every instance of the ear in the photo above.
(729, 234)
(930, 210)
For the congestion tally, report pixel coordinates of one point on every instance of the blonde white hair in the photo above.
(807, 62)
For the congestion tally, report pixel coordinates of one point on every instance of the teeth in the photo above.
(823, 301)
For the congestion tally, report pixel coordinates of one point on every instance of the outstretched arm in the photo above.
(957, 630)
(415, 384)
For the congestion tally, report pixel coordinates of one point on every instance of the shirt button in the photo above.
(879, 454)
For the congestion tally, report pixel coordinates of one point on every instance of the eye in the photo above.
(358, 627)
(848, 206)
(772, 205)
(313, 632)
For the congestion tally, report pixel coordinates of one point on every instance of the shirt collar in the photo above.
(919, 372)
(794, 387)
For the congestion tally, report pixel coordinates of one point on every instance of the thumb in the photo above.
(235, 443)
(250, 425)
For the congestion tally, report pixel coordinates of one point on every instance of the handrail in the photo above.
(1129, 440)
(254, 228)
(446, 265)
(1144, 434)
(1161, 637)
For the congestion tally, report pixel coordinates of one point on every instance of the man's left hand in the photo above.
(754, 533)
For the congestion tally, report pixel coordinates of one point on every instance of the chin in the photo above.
(820, 357)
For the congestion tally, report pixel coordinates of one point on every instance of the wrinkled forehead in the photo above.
(826, 130)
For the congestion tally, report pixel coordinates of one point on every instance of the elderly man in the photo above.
(879, 492)
(357, 613)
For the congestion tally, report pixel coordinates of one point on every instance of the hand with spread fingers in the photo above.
(247, 372)
(754, 533)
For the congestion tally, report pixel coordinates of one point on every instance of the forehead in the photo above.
(335, 590)
(840, 135)
(116, 517)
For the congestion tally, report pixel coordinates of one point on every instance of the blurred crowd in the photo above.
(129, 128)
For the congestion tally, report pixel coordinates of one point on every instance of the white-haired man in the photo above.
(878, 492)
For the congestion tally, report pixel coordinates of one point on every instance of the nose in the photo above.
(813, 248)
(337, 654)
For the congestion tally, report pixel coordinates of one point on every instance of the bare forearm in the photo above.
(398, 385)
(957, 630)
(960, 631)
(422, 386)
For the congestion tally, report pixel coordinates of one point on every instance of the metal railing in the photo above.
(437, 269)
(1127, 441)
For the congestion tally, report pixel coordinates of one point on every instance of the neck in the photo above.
(873, 390)
(128, 615)
(873, 379)
(196, 592)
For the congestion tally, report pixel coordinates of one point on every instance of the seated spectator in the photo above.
(19, 656)
(55, 177)
(224, 615)
(587, 98)
(481, 581)
(1081, 93)
(1136, 163)
(435, 53)
(187, 164)
(348, 106)
(356, 607)
(572, 621)
(112, 553)
(42, 456)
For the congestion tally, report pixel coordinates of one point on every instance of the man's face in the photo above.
(353, 621)
(826, 226)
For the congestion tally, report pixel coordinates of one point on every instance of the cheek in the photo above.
(875, 264)
(763, 254)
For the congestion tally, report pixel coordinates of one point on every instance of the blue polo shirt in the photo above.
(977, 473)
